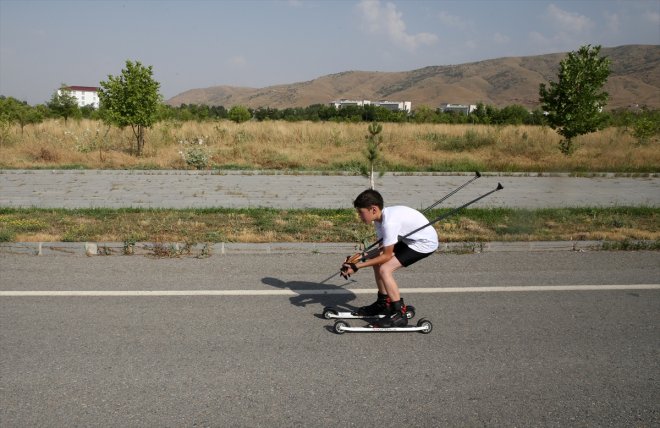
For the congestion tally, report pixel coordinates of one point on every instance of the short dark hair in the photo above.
(368, 198)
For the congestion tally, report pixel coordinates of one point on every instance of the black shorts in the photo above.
(406, 255)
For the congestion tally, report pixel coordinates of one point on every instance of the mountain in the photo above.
(634, 79)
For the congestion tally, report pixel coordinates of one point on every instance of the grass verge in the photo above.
(623, 225)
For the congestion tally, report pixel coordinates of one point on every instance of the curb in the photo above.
(177, 249)
(269, 172)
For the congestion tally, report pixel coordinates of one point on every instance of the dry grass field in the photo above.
(306, 146)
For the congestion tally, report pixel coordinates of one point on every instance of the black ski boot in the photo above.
(397, 318)
(380, 307)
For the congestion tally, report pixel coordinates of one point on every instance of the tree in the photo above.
(63, 103)
(512, 115)
(131, 99)
(13, 110)
(424, 114)
(646, 126)
(574, 103)
(239, 114)
(480, 115)
(374, 140)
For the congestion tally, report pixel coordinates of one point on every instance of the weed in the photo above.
(206, 251)
(172, 250)
(129, 246)
(195, 153)
(7, 236)
(104, 250)
(242, 136)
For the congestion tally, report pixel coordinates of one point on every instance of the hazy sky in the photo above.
(257, 43)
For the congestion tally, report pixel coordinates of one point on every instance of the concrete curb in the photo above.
(270, 172)
(177, 249)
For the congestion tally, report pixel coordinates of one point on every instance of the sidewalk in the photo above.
(192, 189)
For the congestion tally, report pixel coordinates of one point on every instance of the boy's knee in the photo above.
(385, 270)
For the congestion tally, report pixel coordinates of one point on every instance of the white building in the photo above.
(459, 108)
(390, 105)
(86, 95)
(396, 105)
(345, 103)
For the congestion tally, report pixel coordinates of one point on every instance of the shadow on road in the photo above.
(315, 293)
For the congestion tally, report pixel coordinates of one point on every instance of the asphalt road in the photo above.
(496, 357)
(190, 189)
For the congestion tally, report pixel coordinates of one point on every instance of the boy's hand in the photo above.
(347, 269)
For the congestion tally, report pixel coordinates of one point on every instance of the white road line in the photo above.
(289, 292)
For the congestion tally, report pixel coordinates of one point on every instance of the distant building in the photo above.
(459, 108)
(390, 105)
(345, 103)
(396, 105)
(86, 95)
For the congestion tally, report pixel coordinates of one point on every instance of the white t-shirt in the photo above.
(398, 221)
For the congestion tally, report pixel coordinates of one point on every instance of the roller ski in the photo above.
(379, 309)
(423, 326)
(330, 312)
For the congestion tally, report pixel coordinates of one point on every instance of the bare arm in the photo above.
(383, 256)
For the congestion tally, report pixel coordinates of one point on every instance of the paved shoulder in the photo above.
(192, 189)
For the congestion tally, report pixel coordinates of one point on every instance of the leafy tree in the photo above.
(480, 115)
(239, 114)
(13, 110)
(63, 103)
(646, 126)
(131, 99)
(89, 112)
(424, 114)
(513, 115)
(219, 112)
(537, 117)
(26, 115)
(267, 113)
(574, 103)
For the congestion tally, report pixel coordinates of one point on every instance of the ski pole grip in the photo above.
(357, 257)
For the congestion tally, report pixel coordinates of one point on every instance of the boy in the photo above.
(391, 223)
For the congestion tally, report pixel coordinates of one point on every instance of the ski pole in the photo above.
(477, 174)
(454, 211)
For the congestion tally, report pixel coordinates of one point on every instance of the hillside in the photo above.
(635, 79)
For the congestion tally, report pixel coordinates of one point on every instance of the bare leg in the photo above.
(379, 282)
(385, 278)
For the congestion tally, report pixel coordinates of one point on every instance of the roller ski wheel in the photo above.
(329, 313)
(410, 312)
(333, 313)
(423, 326)
(340, 327)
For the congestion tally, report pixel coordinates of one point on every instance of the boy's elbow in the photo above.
(387, 257)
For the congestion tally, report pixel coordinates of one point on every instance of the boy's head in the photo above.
(367, 199)
(369, 205)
